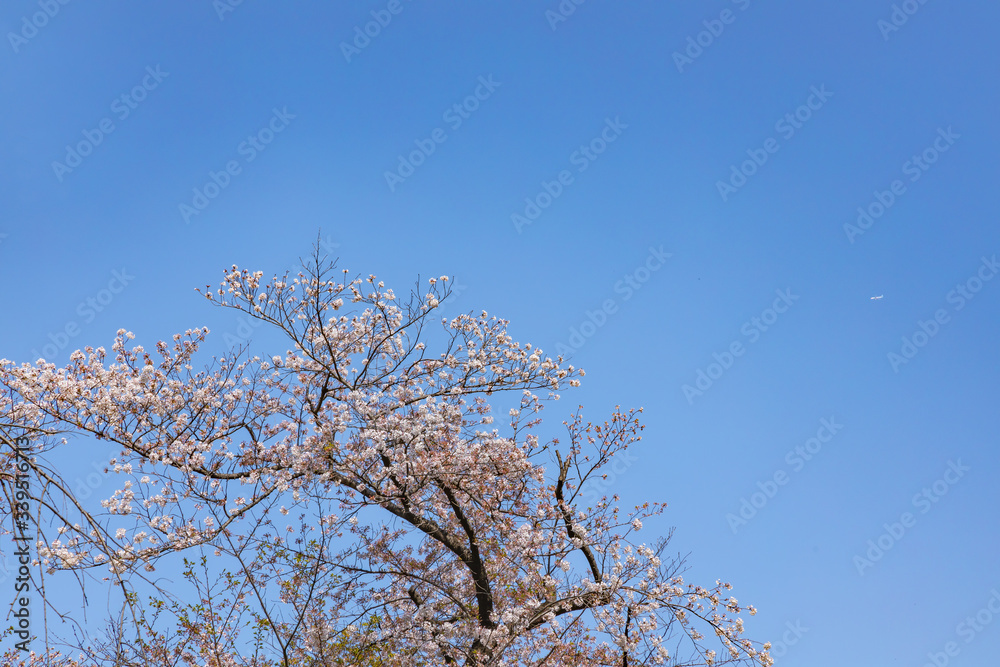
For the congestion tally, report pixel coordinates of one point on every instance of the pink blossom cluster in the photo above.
(429, 535)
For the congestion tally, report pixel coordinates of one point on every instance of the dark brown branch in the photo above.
(568, 518)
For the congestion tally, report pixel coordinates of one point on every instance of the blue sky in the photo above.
(145, 147)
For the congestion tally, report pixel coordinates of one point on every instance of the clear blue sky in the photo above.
(627, 143)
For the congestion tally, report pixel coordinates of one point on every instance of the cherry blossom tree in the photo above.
(377, 494)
